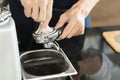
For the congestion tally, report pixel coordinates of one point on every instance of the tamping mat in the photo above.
(113, 39)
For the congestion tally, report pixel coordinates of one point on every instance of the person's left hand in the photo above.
(75, 19)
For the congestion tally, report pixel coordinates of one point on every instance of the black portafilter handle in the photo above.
(3, 2)
(60, 30)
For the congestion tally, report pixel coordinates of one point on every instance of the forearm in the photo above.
(85, 6)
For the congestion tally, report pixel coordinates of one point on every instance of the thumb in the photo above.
(60, 23)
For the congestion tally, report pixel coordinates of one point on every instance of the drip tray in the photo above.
(45, 64)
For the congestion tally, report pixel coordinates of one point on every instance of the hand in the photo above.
(75, 20)
(39, 10)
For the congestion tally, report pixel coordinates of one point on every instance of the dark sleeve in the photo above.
(64, 4)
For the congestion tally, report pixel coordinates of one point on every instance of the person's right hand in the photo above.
(39, 10)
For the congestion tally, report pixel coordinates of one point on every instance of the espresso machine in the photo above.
(10, 68)
(49, 63)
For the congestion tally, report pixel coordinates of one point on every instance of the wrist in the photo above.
(85, 6)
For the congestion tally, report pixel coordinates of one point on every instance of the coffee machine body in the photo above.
(9, 52)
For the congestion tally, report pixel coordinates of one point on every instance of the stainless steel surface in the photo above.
(46, 37)
(52, 64)
(4, 13)
(10, 68)
(95, 40)
(49, 35)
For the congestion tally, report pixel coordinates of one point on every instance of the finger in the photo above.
(76, 31)
(81, 30)
(27, 11)
(79, 33)
(43, 8)
(49, 9)
(27, 7)
(67, 30)
(48, 16)
(35, 11)
(49, 13)
(60, 22)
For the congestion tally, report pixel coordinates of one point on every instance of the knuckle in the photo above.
(26, 14)
(61, 16)
(62, 37)
(82, 32)
(68, 37)
(35, 19)
(49, 17)
(41, 19)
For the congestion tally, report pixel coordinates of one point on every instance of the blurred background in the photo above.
(105, 13)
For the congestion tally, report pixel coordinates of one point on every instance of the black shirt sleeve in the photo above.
(64, 4)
